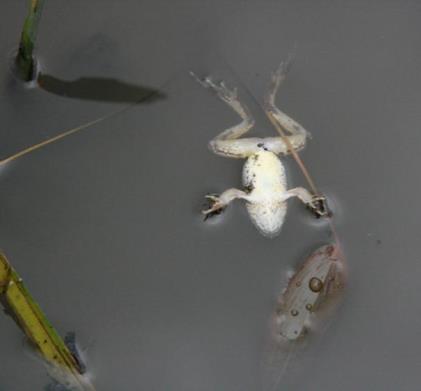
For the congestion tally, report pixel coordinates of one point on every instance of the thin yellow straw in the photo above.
(73, 130)
(294, 154)
(338, 247)
(51, 140)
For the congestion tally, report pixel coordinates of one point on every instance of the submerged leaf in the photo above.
(306, 303)
(320, 278)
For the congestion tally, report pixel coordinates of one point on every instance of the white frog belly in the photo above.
(264, 178)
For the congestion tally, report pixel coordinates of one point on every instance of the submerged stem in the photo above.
(25, 61)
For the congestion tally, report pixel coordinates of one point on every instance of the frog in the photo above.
(264, 179)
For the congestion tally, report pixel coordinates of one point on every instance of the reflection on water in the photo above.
(99, 89)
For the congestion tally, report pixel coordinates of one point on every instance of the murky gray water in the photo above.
(105, 229)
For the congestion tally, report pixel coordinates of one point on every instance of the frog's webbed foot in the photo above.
(227, 95)
(277, 77)
(230, 97)
(214, 206)
(297, 134)
(319, 207)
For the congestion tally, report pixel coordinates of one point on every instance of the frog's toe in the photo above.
(212, 197)
(214, 207)
(319, 206)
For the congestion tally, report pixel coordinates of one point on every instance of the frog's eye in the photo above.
(262, 145)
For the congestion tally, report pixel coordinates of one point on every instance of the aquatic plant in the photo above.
(62, 364)
(25, 60)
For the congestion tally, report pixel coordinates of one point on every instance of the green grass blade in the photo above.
(30, 318)
(25, 58)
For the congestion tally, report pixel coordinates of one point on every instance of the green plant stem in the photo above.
(25, 61)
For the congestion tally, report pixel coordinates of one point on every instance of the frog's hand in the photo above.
(219, 203)
(319, 206)
(214, 206)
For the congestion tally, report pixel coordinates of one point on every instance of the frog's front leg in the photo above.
(317, 204)
(219, 203)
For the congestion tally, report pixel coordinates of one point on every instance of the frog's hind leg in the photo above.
(297, 134)
(227, 143)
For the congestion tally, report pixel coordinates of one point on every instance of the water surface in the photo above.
(105, 229)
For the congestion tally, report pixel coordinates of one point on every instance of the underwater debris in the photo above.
(319, 279)
(62, 365)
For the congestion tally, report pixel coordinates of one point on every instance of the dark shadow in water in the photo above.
(99, 89)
